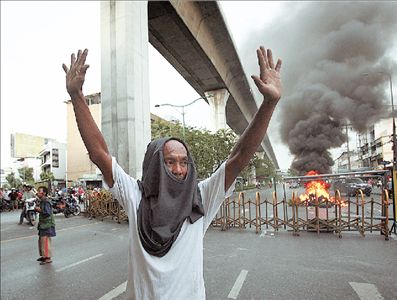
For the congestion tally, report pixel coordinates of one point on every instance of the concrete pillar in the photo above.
(125, 82)
(217, 100)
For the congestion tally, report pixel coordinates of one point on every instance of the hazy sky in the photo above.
(37, 37)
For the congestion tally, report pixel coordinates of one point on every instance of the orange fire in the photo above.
(316, 188)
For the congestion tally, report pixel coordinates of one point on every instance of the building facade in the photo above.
(53, 159)
(375, 145)
(80, 169)
(374, 149)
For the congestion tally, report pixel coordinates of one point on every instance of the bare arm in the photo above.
(269, 84)
(89, 131)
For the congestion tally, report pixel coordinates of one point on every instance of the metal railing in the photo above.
(315, 214)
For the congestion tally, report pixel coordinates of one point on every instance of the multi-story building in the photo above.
(348, 162)
(79, 166)
(375, 145)
(374, 149)
(53, 159)
(26, 149)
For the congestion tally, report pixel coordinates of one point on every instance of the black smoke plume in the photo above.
(332, 54)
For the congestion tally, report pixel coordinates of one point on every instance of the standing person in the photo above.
(13, 196)
(80, 193)
(27, 194)
(168, 211)
(46, 226)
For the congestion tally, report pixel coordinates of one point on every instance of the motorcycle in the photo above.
(6, 205)
(30, 210)
(66, 206)
(72, 208)
(58, 205)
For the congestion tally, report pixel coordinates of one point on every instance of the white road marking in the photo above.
(366, 291)
(35, 235)
(115, 292)
(237, 285)
(77, 263)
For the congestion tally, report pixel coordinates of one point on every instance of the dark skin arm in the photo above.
(89, 131)
(269, 85)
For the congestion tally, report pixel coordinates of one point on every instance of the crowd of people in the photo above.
(14, 198)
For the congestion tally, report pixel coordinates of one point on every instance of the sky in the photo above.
(37, 37)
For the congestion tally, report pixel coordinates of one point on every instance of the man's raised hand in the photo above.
(75, 76)
(268, 82)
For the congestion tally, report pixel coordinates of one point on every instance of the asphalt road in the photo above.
(90, 263)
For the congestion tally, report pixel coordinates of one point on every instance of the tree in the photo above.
(13, 181)
(47, 176)
(26, 174)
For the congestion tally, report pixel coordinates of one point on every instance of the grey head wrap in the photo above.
(166, 201)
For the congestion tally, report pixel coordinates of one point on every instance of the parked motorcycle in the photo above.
(30, 210)
(6, 205)
(68, 206)
(72, 208)
(58, 205)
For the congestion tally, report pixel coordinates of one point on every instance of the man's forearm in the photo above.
(251, 139)
(89, 131)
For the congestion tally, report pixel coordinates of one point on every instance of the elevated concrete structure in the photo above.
(194, 38)
(217, 100)
(125, 82)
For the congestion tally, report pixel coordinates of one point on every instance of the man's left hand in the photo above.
(268, 82)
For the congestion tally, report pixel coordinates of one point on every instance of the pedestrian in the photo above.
(27, 194)
(80, 193)
(46, 226)
(13, 196)
(168, 211)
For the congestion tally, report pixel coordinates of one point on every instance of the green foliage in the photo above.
(47, 176)
(293, 172)
(6, 186)
(13, 182)
(26, 175)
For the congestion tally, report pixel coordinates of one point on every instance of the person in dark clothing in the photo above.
(13, 196)
(46, 226)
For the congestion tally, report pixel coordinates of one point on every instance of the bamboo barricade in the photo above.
(244, 207)
(318, 215)
(258, 216)
(313, 215)
(102, 205)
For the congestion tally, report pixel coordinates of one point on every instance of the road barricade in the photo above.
(315, 214)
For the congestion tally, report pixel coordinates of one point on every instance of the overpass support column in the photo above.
(217, 100)
(125, 82)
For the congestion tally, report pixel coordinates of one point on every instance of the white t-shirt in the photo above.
(179, 273)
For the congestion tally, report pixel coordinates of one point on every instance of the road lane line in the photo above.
(115, 292)
(366, 291)
(237, 285)
(77, 263)
(35, 235)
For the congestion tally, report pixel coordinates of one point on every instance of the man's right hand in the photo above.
(89, 131)
(75, 75)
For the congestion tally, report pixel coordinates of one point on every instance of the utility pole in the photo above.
(348, 150)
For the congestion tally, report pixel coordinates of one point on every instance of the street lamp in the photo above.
(183, 111)
(394, 147)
